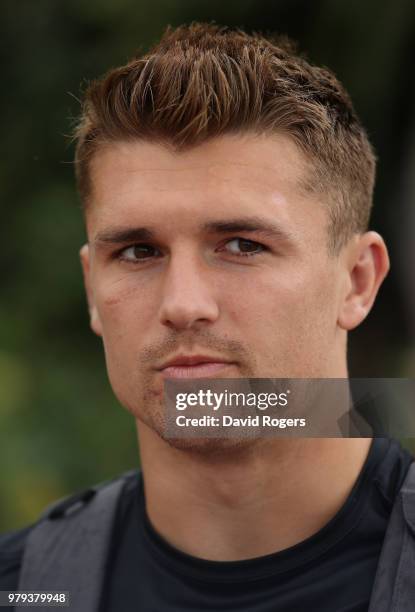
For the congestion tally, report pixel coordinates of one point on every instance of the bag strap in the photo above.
(67, 549)
(394, 586)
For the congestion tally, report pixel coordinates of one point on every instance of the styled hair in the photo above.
(202, 80)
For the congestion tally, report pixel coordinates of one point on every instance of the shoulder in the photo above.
(392, 469)
(11, 553)
(13, 544)
(116, 488)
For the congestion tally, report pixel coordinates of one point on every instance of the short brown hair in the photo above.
(203, 80)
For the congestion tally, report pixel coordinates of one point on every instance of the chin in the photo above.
(213, 449)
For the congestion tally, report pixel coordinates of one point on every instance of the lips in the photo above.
(193, 366)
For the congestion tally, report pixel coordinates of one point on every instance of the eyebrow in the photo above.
(247, 224)
(241, 224)
(122, 235)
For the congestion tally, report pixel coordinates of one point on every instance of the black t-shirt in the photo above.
(332, 571)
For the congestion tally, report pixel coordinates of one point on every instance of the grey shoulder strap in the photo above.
(68, 548)
(394, 586)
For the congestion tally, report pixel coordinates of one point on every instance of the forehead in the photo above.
(238, 174)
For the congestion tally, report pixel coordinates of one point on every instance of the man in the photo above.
(227, 187)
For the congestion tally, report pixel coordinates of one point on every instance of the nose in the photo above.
(187, 294)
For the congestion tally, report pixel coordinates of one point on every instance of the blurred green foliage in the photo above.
(61, 428)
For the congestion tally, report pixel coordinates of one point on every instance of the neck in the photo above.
(247, 502)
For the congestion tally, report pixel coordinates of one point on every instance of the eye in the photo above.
(138, 252)
(244, 247)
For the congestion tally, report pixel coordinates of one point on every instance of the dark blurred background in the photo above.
(60, 426)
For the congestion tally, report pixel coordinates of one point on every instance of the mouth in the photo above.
(201, 370)
(196, 366)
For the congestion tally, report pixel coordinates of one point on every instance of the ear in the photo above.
(86, 268)
(367, 265)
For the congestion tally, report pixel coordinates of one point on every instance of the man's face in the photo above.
(214, 253)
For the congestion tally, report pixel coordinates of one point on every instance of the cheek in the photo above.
(292, 309)
(124, 312)
(123, 307)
